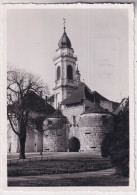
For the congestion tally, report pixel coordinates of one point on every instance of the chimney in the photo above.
(40, 93)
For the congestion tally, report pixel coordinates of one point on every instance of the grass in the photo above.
(63, 169)
(98, 178)
(57, 165)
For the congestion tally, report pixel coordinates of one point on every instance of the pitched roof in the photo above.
(83, 92)
(99, 96)
(95, 108)
(34, 103)
(77, 96)
(57, 114)
(115, 105)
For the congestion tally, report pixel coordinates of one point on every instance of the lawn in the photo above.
(63, 169)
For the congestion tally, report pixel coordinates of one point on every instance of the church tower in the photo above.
(66, 72)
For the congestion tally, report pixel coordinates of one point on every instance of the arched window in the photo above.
(69, 72)
(58, 73)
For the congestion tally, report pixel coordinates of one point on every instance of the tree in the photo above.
(20, 85)
(116, 144)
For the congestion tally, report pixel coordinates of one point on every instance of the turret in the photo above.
(78, 76)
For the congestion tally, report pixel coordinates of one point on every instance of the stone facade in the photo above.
(73, 113)
(93, 127)
(83, 132)
(55, 135)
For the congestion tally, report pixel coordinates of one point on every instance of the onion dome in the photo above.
(64, 41)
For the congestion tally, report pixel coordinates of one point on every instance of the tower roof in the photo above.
(83, 92)
(64, 41)
(95, 108)
(57, 114)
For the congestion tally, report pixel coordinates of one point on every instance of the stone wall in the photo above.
(70, 112)
(54, 138)
(92, 130)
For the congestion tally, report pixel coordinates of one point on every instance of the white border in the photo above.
(3, 71)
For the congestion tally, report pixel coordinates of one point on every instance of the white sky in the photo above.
(99, 38)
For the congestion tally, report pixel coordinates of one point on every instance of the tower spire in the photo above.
(64, 24)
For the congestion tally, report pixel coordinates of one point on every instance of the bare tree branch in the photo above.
(19, 85)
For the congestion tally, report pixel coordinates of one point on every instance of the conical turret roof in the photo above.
(57, 114)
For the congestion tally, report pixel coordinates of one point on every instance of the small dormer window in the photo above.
(49, 122)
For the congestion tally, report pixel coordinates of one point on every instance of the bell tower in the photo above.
(65, 70)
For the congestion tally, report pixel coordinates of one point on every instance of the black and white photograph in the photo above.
(69, 95)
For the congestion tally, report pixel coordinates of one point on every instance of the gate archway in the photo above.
(74, 144)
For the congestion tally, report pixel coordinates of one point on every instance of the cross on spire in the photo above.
(64, 23)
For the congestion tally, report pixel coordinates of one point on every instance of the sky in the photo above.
(99, 38)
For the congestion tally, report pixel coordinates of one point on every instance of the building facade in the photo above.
(80, 119)
(67, 75)
(88, 114)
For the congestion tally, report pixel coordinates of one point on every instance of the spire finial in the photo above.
(64, 23)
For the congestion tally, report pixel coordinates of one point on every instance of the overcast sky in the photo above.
(99, 38)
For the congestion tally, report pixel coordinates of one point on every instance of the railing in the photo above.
(63, 55)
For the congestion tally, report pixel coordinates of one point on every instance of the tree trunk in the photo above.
(22, 147)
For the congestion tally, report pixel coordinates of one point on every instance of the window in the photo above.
(49, 122)
(69, 72)
(104, 120)
(58, 73)
(74, 120)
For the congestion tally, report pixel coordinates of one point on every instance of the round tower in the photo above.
(55, 135)
(95, 123)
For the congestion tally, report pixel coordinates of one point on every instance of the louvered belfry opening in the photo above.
(69, 72)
